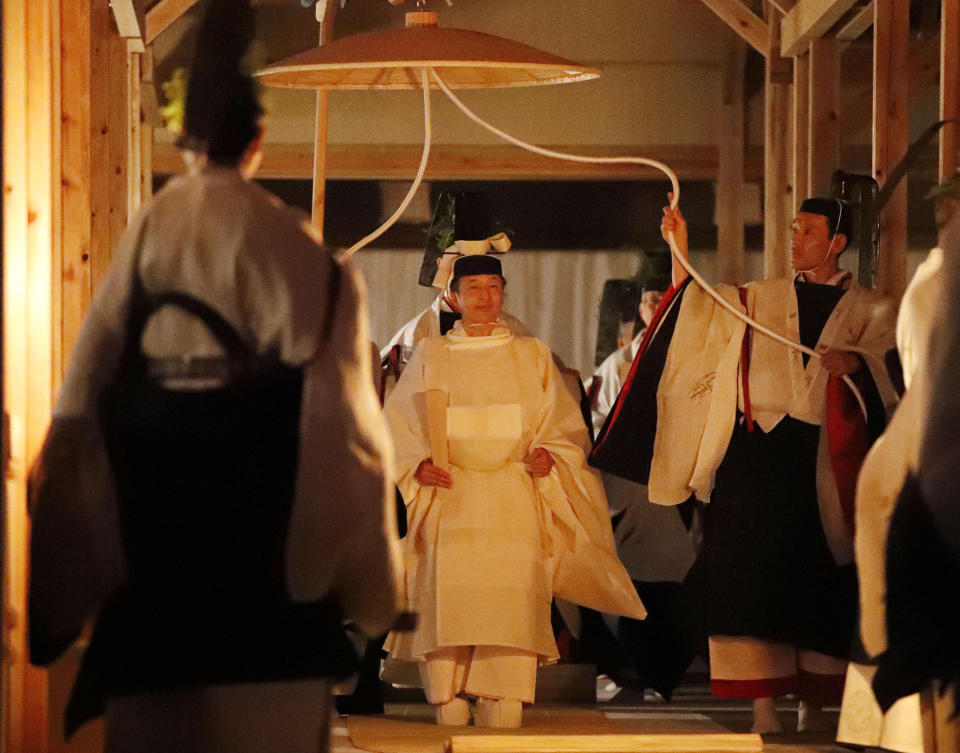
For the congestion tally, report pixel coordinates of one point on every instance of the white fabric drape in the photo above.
(556, 294)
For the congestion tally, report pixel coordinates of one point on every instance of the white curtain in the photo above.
(555, 293)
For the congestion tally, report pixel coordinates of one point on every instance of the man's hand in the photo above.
(429, 474)
(539, 462)
(840, 362)
(673, 222)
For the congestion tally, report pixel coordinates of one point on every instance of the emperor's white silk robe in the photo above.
(484, 558)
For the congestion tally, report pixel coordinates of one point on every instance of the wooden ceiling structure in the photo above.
(802, 41)
(78, 160)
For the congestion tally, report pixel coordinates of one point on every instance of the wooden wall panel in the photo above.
(949, 85)
(890, 120)
(731, 252)
(824, 115)
(801, 129)
(778, 188)
(75, 139)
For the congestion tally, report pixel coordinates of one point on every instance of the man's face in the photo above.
(810, 245)
(480, 297)
(648, 305)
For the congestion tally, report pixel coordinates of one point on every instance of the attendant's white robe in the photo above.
(700, 390)
(895, 454)
(484, 558)
(229, 243)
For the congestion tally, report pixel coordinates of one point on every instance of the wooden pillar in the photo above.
(949, 86)
(320, 136)
(801, 129)
(30, 47)
(778, 189)
(824, 115)
(76, 146)
(890, 120)
(731, 254)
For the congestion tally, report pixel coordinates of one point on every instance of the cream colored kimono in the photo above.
(484, 558)
(226, 241)
(892, 457)
(700, 389)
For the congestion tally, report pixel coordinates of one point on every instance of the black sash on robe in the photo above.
(205, 481)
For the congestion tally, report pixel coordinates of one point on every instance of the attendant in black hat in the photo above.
(771, 439)
(214, 486)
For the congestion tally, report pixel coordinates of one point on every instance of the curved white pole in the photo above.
(427, 138)
(685, 263)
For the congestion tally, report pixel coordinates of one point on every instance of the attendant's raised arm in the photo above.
(674, 222)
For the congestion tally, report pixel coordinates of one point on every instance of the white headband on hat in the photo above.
(496, 244)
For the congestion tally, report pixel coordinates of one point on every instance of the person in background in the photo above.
(751, 426)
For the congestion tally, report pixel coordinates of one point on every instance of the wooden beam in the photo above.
(475, 162)
(890, 135)
(777, 143)
(801, 129)
(824, 114)
(318, 202)
(742, 20)
(128, 26)
(162, 15)
(731, 251)
(606, 743)
(784, 6)
(923, 69)
(949, 86)
(76, 136)
(808, 20)
(857, 25)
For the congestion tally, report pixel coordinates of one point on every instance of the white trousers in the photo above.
(485, 671)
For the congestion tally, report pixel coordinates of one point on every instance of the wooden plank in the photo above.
(857, 25)
(923, 70)
(731, 251)
(742, 20)
(125, 15)
(784, 6)
(119, 136)
(606, 743)
(162, 15)
(476, 162)
(133, 146)
(801, 129)
(146, 131)
(778, 139)
(824, 114)
(16, 127)
(101, 164)
(808, 20)
(890, 135)
(949, 86)
(319, 198)
(76, 137)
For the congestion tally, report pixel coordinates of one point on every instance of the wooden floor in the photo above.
(692, 711)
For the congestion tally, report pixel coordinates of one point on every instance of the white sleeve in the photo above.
(343, 532)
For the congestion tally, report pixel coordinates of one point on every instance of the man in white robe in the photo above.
(219, 239)
(905, 726)
(743, 422)
(503, 511)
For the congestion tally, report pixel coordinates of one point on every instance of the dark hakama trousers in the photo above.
(779, 611)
